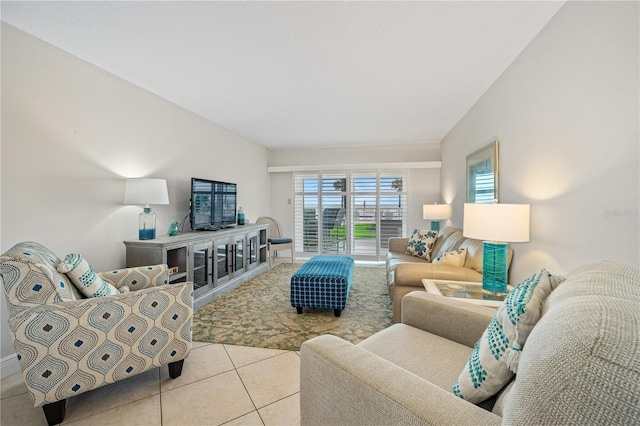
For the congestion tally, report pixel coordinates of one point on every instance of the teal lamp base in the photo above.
(494, 267)
(435, 225)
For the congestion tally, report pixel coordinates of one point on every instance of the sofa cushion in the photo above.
(495, 355)
(474, 254)
(421, 243)
(581, 360)
(581, 363)
(434, 358)
(452, 258)
(84, 278)
(449, 239)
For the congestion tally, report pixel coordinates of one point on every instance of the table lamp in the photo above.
(496, 224)
(435, 213)
(146, 191)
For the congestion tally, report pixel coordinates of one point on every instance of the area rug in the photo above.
(258, 312)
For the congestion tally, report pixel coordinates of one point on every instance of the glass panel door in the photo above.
(393, 207)
(364, 214)
(252, 258)
(222, 260)
(238, 254)
(202, 268)
(334, 209)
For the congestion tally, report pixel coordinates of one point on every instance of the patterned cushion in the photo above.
(84, 278)
(29, 275)
(421, 243)
(453, 258)
(495, 356)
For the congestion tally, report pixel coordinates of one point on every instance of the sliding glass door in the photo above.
(349, 213)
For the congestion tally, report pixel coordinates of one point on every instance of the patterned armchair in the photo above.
(67, 344)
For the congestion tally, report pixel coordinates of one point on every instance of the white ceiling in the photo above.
(301, 74)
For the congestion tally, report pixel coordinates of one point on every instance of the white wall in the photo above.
(424, 184)
(72, 133)
(566, 115)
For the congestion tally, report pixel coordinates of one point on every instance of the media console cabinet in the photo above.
(215, 261)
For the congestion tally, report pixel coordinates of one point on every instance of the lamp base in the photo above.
(435, 225)
(147, 225)
(494, 267)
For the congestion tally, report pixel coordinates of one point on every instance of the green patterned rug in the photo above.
(258, 313)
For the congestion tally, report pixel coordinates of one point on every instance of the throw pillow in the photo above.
(84, 278)
(495, 356)
(421, 243)
(453, 258)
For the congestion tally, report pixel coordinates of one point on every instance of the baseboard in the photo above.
(9, 365)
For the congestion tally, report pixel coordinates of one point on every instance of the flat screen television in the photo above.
(213, 204)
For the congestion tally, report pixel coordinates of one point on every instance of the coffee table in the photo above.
(464, 290)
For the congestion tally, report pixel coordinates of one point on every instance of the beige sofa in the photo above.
(405, 272)
(580, 364)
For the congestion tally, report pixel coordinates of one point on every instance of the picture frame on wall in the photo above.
(482, 174)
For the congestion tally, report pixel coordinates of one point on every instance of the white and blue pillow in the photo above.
(421, 243)
(495, 357)
(452, 258)
(84, 278)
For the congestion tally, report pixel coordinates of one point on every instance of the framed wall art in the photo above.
(482, 174)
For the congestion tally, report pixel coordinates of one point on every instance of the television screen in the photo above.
(213, 204)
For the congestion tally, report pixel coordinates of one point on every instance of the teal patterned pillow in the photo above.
(494, 359)
(84, 278)
(421, 243)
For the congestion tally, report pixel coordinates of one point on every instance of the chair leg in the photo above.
(55, 411)
(175, 369)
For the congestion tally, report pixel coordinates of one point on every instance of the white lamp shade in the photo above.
(496, 222)
(436, 211)
(146, 191)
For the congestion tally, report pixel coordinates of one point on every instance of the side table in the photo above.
(464, 290)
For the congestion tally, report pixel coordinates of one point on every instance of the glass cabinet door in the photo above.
(202, 268)
(252, 257)
(238, 253)
(222, 261)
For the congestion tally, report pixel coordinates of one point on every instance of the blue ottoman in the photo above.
(322, 282)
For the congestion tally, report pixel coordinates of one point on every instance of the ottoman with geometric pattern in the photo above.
(322, 282)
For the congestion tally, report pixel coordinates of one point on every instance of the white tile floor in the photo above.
(220, 384)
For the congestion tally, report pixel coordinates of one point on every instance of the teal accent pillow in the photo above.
(421, 243)
(495, 357)
(84, 278)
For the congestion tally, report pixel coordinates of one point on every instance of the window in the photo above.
(350, 213)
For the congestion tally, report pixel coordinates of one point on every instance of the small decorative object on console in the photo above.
(174, 229)
(240, 216)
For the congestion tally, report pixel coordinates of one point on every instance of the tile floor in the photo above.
(219, 385)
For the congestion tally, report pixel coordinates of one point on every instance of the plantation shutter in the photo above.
(352, 213)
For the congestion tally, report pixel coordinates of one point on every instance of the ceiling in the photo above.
(301, 74)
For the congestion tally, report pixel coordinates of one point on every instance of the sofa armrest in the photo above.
(343, 384)
(452, 319)
(398, 244)
(138, 277)
(68, 348)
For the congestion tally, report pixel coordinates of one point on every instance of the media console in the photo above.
(215, 261)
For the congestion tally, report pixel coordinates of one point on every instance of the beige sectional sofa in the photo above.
(580, 365)
(405, 272)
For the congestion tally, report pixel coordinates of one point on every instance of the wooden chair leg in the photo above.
(55, 411)
(175, 369)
